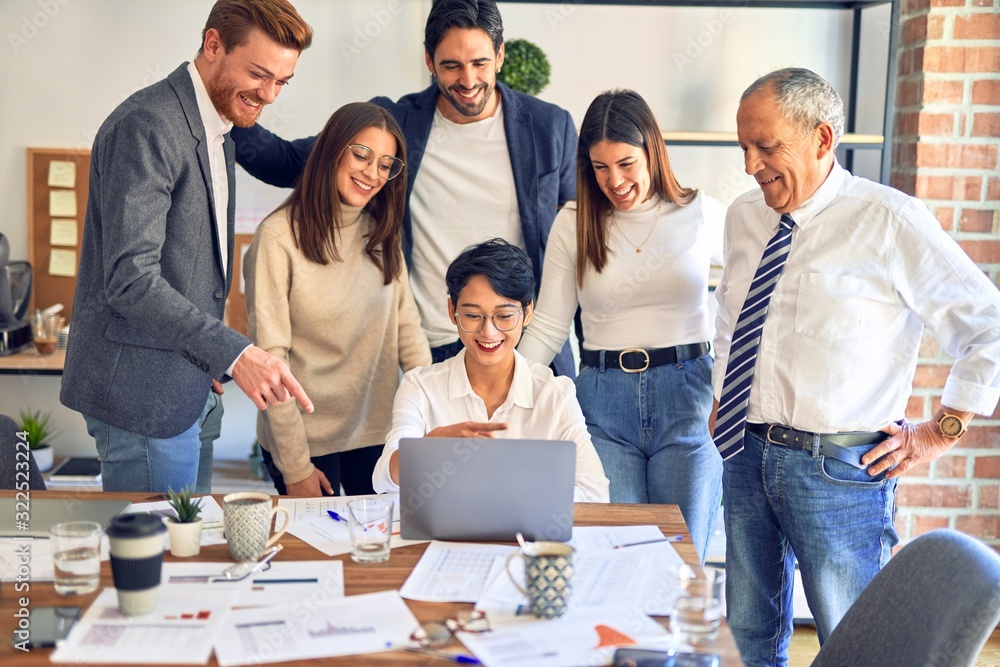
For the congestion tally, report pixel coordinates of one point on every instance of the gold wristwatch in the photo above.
(951, 426)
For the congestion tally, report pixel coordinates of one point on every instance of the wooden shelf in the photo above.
(849, 140)
(29, 362)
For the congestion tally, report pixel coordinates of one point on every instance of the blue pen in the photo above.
(457, 658)
(334, 515)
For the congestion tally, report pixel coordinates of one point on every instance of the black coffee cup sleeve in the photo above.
(136, 574)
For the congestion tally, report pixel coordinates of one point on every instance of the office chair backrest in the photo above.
(9, 459)
(935, 603)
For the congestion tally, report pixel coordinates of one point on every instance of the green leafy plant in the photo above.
(186, 508)
(35, 425)
(525, 67)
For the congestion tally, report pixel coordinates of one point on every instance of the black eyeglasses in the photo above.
(389, 166)
(504, 321)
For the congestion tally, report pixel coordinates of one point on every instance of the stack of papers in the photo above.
(615, 591)
(312, 523)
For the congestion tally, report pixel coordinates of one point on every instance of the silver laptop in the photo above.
(486, 489)
(42, 513)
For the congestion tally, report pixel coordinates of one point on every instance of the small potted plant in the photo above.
(184, 530)
(525, 68)
(39, 434)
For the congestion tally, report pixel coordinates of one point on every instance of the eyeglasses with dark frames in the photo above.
(438, 634)
(389, 166)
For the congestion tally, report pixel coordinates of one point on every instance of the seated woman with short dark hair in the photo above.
(489, 390)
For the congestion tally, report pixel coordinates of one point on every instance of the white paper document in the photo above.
(452, 571)
(564, 642)
(181, 631)
(282, 583)
(17, 553)
(609, 580)
(662, 584)
(351, 625)
(211, 518)
(312, 524)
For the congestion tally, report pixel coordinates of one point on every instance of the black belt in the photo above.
(834, 445)
(636, 360)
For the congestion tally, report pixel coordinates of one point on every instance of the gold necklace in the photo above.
(638, 248)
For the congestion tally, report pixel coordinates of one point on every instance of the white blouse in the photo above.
(538, 406)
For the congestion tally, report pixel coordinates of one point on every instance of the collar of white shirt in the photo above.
(820, 199)
(521, 388)
(215, 124)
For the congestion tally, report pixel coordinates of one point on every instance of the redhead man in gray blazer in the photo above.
(148, 350)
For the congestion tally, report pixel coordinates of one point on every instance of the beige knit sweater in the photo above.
(344, 334)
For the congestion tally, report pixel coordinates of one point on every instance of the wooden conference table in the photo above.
(359, 579)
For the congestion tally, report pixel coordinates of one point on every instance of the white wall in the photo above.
(68, 63)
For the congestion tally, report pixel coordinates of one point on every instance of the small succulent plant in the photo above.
(186, 508)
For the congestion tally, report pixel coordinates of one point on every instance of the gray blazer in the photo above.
(147, 336)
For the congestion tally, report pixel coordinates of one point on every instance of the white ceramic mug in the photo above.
(247, 516)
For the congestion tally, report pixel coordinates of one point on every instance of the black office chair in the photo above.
(935, 603)
(11, 463)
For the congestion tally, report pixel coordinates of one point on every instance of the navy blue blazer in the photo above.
(541, 139)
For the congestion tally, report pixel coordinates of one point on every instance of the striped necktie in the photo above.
(731, 419)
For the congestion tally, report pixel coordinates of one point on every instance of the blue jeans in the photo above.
(783, 504)
(136, 462)
(650, 430)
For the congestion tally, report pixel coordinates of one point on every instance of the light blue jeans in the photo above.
(783, 504)
(651, 431)
(139, 463)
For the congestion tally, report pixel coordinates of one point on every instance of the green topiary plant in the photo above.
(525, 67)
(35, 425)
(186, 508)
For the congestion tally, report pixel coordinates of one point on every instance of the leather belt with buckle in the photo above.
(834, 445)
(636, 359)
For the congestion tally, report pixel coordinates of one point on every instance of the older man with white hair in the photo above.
(829, 281)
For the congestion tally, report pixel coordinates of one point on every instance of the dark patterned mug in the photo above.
(548, 577)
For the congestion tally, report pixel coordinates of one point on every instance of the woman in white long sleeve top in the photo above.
(634, 252)
(489, 390)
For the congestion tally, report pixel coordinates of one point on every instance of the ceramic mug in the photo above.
(247, 517)
(548, 577)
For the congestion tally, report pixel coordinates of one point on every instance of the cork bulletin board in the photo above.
(50, 171)
(58, 179)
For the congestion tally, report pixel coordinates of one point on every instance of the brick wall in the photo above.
(945, 151)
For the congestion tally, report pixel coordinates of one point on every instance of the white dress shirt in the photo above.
(869, 267)
(653, 299)
(216, 128)
(539, 406)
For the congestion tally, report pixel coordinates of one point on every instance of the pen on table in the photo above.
(458, 658)
(334, 515)
(672, 538)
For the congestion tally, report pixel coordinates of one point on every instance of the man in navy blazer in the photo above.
(147, 348)
(470, 177)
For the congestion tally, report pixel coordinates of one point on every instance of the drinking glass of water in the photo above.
(698, 610)
(76, 555)
(370, 521)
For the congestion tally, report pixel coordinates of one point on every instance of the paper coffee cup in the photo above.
(136, 560)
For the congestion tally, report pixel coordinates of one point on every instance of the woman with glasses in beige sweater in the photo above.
(328, 293)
